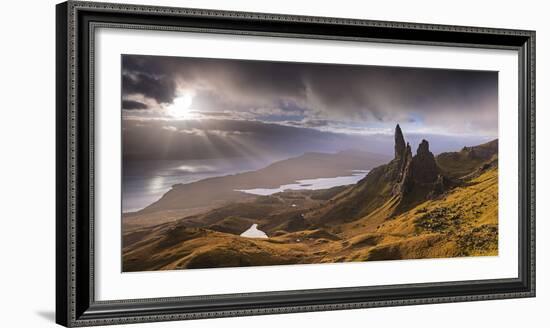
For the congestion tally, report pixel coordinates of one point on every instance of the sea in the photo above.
(145, 181)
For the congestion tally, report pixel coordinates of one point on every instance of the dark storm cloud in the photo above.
(388, 93)
(132, 104)
(160, 88)
(430, 98)
(217, 83)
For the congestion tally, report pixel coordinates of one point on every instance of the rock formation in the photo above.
(418, 176)
(399, 142)
(424, 167)
(404, 182)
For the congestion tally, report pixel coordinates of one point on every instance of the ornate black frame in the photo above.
(75, 302)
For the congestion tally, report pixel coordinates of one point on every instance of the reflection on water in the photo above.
(145, 181)
(311, 184)
(254, 232)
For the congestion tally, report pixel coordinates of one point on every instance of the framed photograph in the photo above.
(215, 163)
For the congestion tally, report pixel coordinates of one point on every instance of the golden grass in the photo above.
(461, 222)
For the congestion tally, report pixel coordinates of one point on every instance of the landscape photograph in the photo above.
(239, 163)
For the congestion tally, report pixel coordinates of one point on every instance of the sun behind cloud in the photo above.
(180, 107)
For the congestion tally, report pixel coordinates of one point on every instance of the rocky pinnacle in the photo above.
(424, 167)
(399, 142)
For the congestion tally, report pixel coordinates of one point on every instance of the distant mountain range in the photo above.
(420, 206)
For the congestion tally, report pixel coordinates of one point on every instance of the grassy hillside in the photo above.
(413, 207)
(458, 164)
(462, 222)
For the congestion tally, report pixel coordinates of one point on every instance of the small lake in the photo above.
(254, 232)
(311, 184)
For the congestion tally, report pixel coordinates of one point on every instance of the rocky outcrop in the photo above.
(418, 176)
(401, 164)
(404, 182)
(399, 142)
(423, 164)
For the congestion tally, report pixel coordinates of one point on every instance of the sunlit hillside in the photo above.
(413, 207)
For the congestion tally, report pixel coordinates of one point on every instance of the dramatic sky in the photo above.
(196, 108)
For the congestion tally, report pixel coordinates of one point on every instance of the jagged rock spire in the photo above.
(424, 149)
(408, 152)
(399, 142)
(424, 166)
